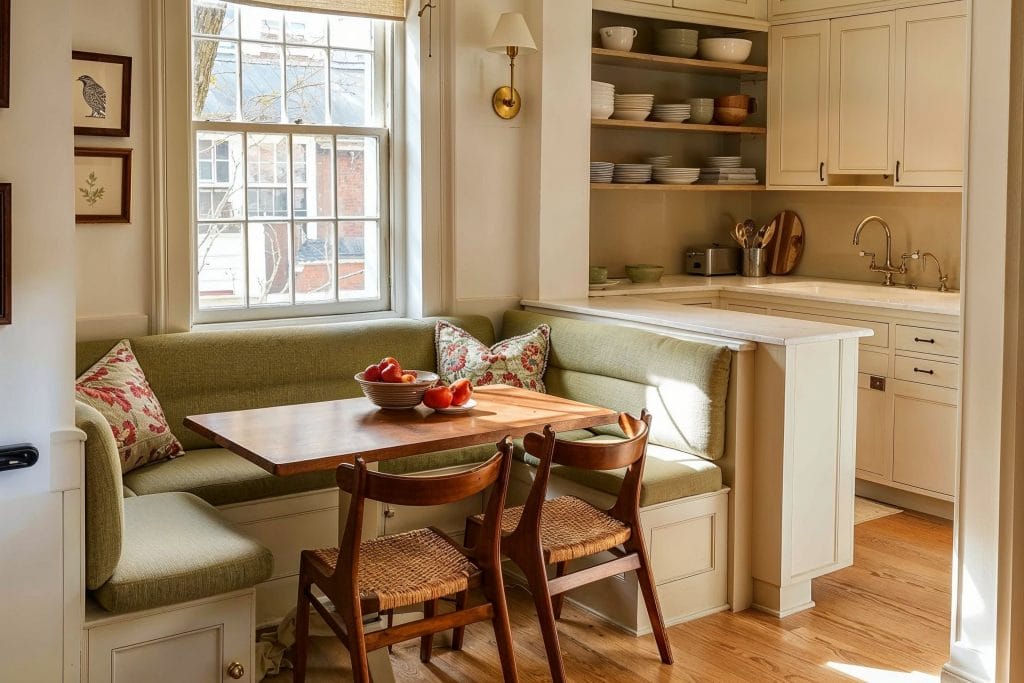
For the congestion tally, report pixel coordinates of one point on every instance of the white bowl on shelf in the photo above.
(631, 114)
(731, 50)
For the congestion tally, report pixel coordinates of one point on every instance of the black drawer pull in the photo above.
(925, 341)
(924, 372)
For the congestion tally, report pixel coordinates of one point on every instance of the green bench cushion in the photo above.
(178, 548)
(669, 474)
(207, 372)
(683, 384)
(439, 460)
(220, 477)
(104, 514)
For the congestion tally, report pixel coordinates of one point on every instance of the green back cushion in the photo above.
(207, 372)
(683, 384)
(104, 504)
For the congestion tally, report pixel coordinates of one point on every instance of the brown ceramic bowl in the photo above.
(730, 116)
(736, 102)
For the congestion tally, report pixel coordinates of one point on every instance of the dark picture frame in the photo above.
(84, 89)
(124, 205)
(5, 253)
(5, 54)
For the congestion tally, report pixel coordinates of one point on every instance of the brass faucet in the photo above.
(943, 278)
(888, 269)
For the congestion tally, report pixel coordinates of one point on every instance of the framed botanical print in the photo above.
(5, 53)
(101, 93)
(5, 253)
(103, 185)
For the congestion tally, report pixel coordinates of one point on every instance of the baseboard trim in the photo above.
(951, 674)
(907, 500)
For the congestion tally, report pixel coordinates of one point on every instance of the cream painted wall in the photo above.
(926, 221)
(114, 262)
(36, 351)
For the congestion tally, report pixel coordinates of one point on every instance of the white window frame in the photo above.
(385, 94)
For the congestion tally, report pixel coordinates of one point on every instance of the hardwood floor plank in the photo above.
(890, 611)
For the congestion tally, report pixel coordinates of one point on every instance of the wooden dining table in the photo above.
(307, 437)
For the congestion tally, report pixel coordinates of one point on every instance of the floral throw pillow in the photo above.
(518, 362)
(117, 388)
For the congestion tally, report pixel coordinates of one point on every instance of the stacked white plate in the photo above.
(601, 171)
(670, 113)
(633, 107)
(632, 173)
(602, 99)
(676, 176)
(724, 162)
(659, 162)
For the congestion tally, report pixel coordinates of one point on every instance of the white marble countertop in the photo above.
(795, 287)
(715, 322)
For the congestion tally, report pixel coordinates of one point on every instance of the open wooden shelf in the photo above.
(637, 60)
(676, 127)
(658, 187)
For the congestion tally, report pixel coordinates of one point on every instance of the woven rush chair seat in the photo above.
(570, 528)
(408, 568)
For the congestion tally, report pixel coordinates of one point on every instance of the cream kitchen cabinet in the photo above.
(930, 86)
(754, 9)
(861, 94)
(787, 10)
(798, 100)
(879, 95)
(924, 440)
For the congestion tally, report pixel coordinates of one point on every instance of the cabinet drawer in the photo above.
(880, 337)
(932, 372)
(925, 340)
(873, 363)
(757, 310)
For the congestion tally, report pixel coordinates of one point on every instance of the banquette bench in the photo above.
(209, 526)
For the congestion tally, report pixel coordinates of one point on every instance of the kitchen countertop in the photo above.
(748, 327)
(796, 287)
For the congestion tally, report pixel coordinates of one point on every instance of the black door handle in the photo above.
(924, 372)
(897, 171)
(924, 341)
(821, 171)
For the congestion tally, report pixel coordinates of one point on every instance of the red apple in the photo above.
(438, 398)
(391, 373)
(384, 362)
(461, 391)
(371, 373)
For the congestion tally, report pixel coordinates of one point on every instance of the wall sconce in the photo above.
(511, 36)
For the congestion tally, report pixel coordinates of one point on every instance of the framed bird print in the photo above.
(5, 54)
(103, 185)
(101, 94)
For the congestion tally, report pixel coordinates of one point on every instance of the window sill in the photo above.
(295, 322)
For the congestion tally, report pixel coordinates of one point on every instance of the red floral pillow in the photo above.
(518, 362)
(117, 388)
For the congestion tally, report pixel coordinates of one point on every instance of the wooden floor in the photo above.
(884, 619)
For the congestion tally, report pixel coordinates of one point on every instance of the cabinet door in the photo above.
(861, 94)
(755, 9)
(924, 437)
(784, 7)
(798, 103)
(874, 436)
(931, 64)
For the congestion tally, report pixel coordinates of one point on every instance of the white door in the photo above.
(798, 104)
(931, 75)
(861, 94)
(755, 9)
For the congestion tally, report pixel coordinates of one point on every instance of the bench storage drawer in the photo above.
(931, 372)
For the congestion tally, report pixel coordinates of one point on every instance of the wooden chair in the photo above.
(421, 566)
(544, 532)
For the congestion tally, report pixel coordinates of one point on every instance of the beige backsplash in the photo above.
(655, 227)
(929, 221)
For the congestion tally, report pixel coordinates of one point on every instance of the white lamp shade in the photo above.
(512, 31)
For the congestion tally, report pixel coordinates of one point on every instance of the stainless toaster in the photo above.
(712, 259)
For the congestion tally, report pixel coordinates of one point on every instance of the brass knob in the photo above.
(236, 670)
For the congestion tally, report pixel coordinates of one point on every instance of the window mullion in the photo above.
(246, 217)
(290, 203)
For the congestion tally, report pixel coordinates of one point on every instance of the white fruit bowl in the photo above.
(732, 50)
(397, 395)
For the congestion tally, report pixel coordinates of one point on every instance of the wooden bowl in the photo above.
(397, 396)
(730, 116)
(734, 101)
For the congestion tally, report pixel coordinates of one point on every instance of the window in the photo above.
(291, 132)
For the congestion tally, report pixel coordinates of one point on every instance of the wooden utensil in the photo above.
(739, 234)
(785, 250)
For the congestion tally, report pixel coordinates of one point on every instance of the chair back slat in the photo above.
(606, 455)
(422, 491)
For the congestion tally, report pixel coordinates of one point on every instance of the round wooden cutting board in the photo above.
(785, 250)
